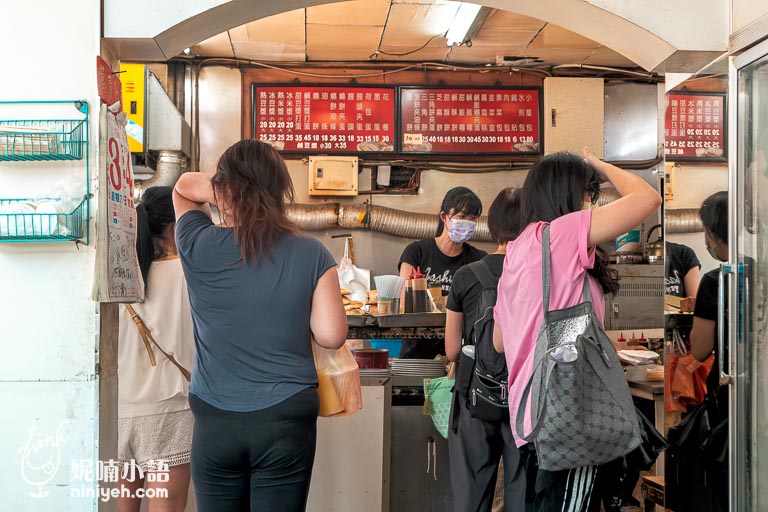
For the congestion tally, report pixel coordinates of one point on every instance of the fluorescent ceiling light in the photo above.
(462, 22)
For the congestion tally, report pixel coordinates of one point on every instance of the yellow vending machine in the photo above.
(134, 80)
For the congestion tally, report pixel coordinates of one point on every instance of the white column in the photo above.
(49, 328)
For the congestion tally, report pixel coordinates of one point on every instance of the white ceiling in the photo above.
(385, 30)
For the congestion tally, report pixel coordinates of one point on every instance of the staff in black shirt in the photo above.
(681, 270)
(440, 257)
(714, 217)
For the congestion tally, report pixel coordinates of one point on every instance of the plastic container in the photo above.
(393, 345)
(629, 241)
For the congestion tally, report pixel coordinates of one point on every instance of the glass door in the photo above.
(748, 293)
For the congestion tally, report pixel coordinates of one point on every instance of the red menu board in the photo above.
(694, 126)
(321, 119)
(469, 120)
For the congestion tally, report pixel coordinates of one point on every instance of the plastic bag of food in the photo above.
(356, 280)
(338, 379)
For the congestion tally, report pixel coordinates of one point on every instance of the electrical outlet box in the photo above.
(333, 175)
(669, 181)
(574, 115)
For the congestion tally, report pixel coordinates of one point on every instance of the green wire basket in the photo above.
(27, 140)
(41, 227)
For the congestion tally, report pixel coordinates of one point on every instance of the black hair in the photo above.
(555, 186)
(459, 200)
(714, 216)
(504, 220)
(153, 216)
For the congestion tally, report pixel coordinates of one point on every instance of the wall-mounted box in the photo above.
(333, 175)
(574, 111)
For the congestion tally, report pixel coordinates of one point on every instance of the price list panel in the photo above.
(464, 121)
(321, 119)
(694, 127)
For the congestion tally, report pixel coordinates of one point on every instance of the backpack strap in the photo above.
(483, 274)
(488, 280)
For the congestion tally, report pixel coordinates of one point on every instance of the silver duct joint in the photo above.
(314, 217)
(170, 166)
(685, 220)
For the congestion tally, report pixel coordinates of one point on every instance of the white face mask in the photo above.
(712, 250)
(461, 230)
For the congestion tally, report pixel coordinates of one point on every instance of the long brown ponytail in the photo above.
(253, 184)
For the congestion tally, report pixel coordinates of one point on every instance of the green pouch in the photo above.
(438, 393)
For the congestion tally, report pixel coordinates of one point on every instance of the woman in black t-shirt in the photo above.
(440, 257)
(714, 217)
(681, 270)
(475, 445)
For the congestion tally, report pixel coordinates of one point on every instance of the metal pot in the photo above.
(654, 251)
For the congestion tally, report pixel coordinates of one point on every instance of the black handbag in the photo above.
(704, 431)
(651, 445)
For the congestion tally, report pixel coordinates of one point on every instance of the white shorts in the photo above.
(147, 439)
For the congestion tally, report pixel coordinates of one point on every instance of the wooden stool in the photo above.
(652, 491)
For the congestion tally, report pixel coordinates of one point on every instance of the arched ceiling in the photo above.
(152, 30)
(392, 30)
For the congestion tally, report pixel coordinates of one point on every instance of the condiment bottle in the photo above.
(408, 294)
(421, 302)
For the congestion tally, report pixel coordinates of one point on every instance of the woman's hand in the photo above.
(594, 162)
(637, 202)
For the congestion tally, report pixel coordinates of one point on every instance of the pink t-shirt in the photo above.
(519, 311)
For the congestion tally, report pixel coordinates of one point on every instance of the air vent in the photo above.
(518, 61)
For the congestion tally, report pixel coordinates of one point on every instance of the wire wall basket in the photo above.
(34, 220)
(47, 139)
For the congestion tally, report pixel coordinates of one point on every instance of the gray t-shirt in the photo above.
(251, 323)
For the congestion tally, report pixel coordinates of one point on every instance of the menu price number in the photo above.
(413, 138)
(478, 139)
(693, 144)
(276, 125)
(705, 131)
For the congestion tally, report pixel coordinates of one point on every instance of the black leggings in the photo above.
(259, 461)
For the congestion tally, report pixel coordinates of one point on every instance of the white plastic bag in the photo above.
(357, 280)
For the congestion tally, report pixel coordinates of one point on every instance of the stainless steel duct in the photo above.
(389, 220)
(170, 165)
(686, 220)
(314, 217)
(400, 223)
(607, 195)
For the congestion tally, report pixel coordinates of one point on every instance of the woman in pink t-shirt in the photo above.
(554, 193)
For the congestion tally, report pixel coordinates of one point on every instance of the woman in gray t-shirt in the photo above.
(259, 292)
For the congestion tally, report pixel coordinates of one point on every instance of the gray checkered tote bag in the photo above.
(581, 410)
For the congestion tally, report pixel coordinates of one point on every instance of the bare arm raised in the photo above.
(638, 200)
(193, 191)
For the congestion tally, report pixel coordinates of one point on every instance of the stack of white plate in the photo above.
(419, 367)
(375, 372)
